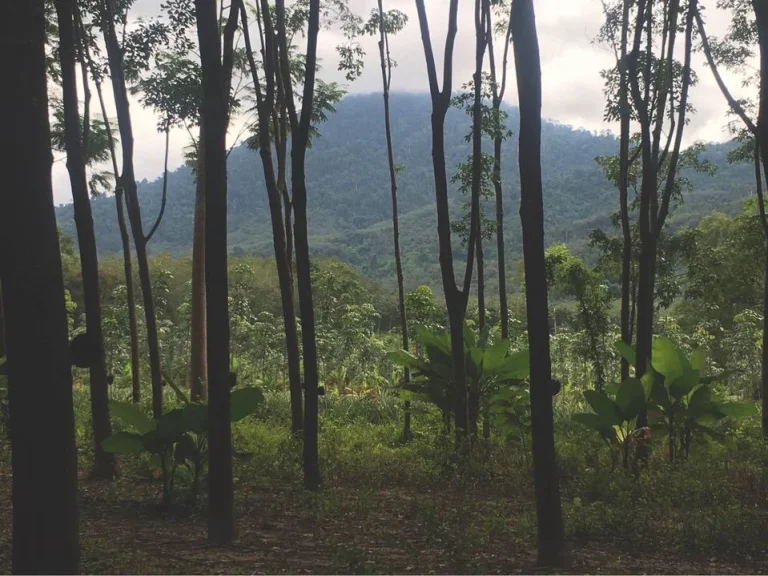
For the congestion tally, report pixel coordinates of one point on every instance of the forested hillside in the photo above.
(350, 205)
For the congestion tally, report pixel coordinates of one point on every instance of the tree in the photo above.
(455, 297)
(733, 53)
(300, 131)
(547, 490)
(385, 24)
(117, 69)
(499, 133)
(104, 462)
(571, 275)
(652, 89)
(85, 40)
(216, 80)
(44, 489)
(276, 193)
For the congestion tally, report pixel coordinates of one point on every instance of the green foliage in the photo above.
(488, 368)
(615, 413)
(178, 437)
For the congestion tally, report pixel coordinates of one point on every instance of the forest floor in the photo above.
(341, 531)
(389, 507)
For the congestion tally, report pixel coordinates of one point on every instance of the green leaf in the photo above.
(594, 422)
(132, 416)
(245, 401)
(403, 358)
(124, 443)
(647, 381)
(171, 425)
(495, 356)
(604, 407)
(683, 385)
(667, 359)
(469, 336)
(739, 410)
(196, 417)
(630, 398)
(698, 359)
(516, 366)
(627, 352)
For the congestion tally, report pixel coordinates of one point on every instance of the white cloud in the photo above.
(571, 65)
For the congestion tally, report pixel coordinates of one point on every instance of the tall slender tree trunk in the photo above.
(128, 181)
(44, 489)
(386, 78)
(455, 297)
(2, 326)
(761, 17)
(198, 373)
(104, 462)
(266, 104)
(626, 254)
(300, 139)
(124, 238)
(551, 535)
(498, 138)
(215, 109)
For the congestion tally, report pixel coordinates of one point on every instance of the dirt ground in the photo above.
(346, 530)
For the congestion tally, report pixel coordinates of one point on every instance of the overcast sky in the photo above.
(571, 64)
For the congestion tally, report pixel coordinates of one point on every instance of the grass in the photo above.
(389, 506)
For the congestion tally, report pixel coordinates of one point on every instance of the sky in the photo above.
(571, 65)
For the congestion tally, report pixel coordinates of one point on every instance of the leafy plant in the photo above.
(682, 401)
(178, 438)
(488, 368)
(615, 413)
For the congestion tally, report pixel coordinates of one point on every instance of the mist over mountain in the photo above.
(349, 199)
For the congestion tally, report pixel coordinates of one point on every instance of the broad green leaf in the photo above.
(630, 398)
(171, 425)
(594, 422)
(604, 407)
(698, 359)
(469, 336)
(684, 384)
(612, 388)
(495, 356)
(739, 410)
(132, 416)
(403, 358)
(627, 352)
(196, 418)
(245, 401)
(700, 402)
(647, 381)
(660, 395)
(516, 366)
(667, 359)
(124, 443)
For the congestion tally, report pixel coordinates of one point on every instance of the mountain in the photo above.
(349, 201)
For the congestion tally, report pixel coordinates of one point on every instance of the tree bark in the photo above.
(455, 297)
(626, 254)
(198, 384)
(104, 462)
(215, 110)
(761, 17)
(2, 326)
(124, 238)
(498, 96)
(386, 79)
(42, 432)
(547, 491)
(128, 181)
(300, 127)
(266, 104)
